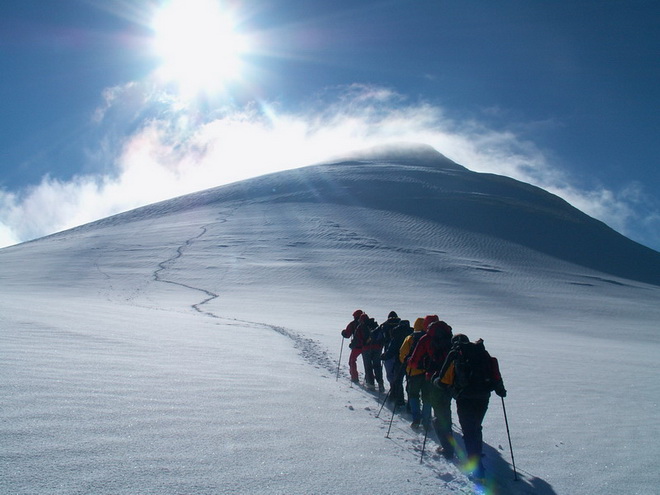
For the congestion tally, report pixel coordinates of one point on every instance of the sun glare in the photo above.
(198, 45)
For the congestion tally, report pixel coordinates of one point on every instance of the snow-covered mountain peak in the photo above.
(403, 154)
(422, 184)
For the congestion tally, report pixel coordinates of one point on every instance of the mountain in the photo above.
(193, 345)
(418, 181)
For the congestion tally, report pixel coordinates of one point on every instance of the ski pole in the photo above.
(513, 461)
(339, 362)
(384, 401)
(387, 435)
(426, 433)
(396, 379)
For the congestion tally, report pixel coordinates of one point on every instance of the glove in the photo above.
(501, 391)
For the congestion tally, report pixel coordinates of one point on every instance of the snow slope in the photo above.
(191, 346)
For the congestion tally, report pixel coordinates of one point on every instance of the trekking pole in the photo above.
(426, 434)
(387, 435)
(384, 401)
(396, 378)
(402, 371)
(339, 362)
(513, 461)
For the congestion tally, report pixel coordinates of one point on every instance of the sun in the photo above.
(199, 47)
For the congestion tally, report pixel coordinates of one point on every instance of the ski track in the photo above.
(449, 475)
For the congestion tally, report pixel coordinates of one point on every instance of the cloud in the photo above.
(160, 148)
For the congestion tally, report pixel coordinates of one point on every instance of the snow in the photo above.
(191, 347)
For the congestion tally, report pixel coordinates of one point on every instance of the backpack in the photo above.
(382, 334)
(366, 330)
(398, 335)
(414, 340)
(439, 347)
(401, 331)
(386, 329)
(473, 369)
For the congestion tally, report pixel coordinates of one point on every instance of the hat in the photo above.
(419, 325)
(430, 319)
(364, 317)
(460, 338)
(392, 315)
(357, 313)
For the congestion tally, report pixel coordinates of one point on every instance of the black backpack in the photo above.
(399, 334)
(367, 329)
(473, 370)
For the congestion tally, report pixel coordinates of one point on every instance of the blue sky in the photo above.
(560, 94)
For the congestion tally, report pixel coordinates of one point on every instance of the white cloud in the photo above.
(175, 150)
